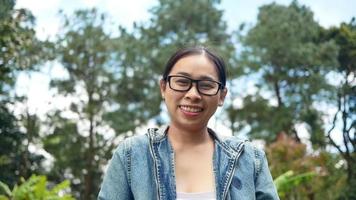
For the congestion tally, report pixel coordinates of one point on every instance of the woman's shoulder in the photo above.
(141, 140)
(249, 152)
(131, 143)
(245, 145)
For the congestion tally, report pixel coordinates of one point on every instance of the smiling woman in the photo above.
(186, 159)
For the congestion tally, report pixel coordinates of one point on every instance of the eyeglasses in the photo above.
(183, 84)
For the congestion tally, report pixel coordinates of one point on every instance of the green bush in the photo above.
(35, 188)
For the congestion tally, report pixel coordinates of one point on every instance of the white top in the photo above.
(196, 196)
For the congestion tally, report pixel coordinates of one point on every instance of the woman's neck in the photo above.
(187, 137)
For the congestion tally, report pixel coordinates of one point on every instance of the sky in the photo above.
(327, 12)
(121, 12)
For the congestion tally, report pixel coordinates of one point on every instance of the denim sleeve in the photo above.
(265, 188)
(115, 185)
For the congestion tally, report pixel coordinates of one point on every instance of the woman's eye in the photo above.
(206, 86)
(183, 81)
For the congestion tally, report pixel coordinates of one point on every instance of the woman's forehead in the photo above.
(195, 65)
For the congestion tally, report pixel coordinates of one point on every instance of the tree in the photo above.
(20, 51)
(16, 160)
(84, 50)
(61, 144)
(175, 24)
(283, 52)
(344, 119)
(106, 99)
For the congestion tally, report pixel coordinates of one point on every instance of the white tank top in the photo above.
(196, 196)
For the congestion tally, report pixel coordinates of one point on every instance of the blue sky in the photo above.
(327, 12)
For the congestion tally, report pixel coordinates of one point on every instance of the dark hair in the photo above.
(197, 50)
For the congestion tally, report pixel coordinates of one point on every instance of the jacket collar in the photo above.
(226, 155)
(230, 145)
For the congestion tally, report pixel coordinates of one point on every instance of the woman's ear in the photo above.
(223, 94)
(162, 86)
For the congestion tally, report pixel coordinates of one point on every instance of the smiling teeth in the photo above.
(191, 109)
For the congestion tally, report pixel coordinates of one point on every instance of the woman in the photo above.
(186, 159)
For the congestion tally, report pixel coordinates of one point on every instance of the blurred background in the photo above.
(77, 77)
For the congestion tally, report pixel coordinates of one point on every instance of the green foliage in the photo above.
(256, 113)
(15, 159)
(200, 23)
(345, 117)
(20, 49)
(282, 50)
(108, 100)
(345, 38)
(35, 188)
(300, 175)
(84, 50)
(286, 181)
(61, 144)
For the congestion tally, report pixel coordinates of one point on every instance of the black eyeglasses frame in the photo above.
(196, 81)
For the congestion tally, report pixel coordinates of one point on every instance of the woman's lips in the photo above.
(190, 110)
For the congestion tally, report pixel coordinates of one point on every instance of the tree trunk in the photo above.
(88, 178)
(278, 93)
(350, 192)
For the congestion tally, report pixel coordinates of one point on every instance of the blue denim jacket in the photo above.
(142, 168)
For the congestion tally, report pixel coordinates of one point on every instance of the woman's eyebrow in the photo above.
(202, 77)
(184, 74)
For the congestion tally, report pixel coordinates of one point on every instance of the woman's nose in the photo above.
(193, 92)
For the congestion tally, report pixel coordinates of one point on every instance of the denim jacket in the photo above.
(142, 168)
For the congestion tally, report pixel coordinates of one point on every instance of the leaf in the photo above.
(288, 180)
(283, 179)
(5, 188)
(2, 197)
(61, 186)
(40, 187)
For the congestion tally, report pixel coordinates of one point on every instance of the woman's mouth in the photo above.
(191, 110)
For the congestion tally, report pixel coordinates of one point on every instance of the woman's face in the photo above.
(191, 109)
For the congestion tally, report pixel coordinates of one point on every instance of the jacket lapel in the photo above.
(226, 156)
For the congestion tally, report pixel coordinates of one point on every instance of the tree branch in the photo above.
(332, 128)
(344, 125)
(353, 140)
